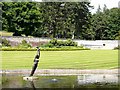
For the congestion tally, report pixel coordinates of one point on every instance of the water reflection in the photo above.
(87, 80)
(32, 84)
(94, 79)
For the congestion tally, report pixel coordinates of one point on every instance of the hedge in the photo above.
(43, 49)
(59, 43)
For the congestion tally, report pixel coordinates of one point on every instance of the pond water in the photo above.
(75, 81)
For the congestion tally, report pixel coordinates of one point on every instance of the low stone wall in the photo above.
(98, 44)
(92, 44)
(33, 41)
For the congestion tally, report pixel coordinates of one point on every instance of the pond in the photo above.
(70, 81)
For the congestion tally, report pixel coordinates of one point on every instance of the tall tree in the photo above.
(0, 16)
(105, 23)
(21, 17)
(114, 23)
(66, 19)
(49, 19)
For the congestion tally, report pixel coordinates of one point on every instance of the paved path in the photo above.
(62, 71)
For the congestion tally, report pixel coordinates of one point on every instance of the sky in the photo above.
(96, 3)
(109, 4)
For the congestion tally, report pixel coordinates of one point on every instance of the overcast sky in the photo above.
(109, 3)
(95, 3)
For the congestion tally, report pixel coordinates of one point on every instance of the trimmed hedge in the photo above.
(43, 49)
(59, 43)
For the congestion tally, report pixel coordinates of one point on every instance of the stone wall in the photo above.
(97, 44)
(33, 41)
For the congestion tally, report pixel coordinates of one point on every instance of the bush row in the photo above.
(59, 43)
(51, 44)
(43, 49)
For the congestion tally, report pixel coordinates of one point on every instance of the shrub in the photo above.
(69, 42)
(54, 42)
(24, 44)
(5, 42)
(59, 43)
(47, 45)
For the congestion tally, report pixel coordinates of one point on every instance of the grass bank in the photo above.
(83, 59)
(45, 49)
(4, 33)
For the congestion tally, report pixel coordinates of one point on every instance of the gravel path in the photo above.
(62, 71)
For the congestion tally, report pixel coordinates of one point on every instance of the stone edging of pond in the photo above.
(61, 71)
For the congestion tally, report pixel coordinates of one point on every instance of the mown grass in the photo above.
(88, 59)
(4, 33)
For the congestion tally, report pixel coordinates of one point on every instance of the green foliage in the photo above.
(4, 33)
(5, 42)
(63, 49)
(44, 49)
(69, 42)
(21, 17)
(59, 43)
(60, 23)
(4, 80)
(49, 19)
(105, 24)
(54, 42)
(47, 45)
(60, 20)
(24, 44)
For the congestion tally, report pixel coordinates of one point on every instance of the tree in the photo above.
(105, 24)
(0, 16)
(65, 21)
(21, 17)
(114, 23)
(82, 19)
(49, 19)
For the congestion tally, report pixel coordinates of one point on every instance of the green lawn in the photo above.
(4, 33)
(84, 59)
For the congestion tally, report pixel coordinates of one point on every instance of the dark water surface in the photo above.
(78, 81)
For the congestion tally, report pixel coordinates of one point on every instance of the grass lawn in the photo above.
(84, 59)
(4, 33)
